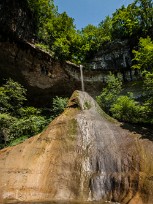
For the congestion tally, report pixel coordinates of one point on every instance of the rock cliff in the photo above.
(83, 155)
(43, 76)
(115, 56)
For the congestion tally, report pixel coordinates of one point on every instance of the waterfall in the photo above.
(81, 73)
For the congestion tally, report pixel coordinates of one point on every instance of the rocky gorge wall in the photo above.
(45, 77)
(115, 56)
(40, 74)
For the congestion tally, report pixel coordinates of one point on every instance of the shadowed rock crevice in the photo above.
(81, 156)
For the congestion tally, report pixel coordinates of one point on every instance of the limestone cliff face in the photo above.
(36, 70)
(115, 56)
(41, 75)
(83, 155)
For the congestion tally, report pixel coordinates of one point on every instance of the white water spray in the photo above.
(82, 82)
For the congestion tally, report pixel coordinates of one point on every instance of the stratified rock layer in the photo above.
(83, 155)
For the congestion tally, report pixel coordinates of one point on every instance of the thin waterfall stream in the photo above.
(82, 81)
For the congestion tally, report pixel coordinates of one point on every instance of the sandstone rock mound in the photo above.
(83, 155)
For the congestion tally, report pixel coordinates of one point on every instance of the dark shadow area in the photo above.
(145, 130)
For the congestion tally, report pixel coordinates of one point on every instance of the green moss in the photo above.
(18, 141)
(72, 130)
(86, 105)
(105, 115)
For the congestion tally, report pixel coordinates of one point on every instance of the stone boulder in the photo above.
(83, 155)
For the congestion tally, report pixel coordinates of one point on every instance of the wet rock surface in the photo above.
(83, 155)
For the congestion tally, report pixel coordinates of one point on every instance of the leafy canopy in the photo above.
(110, 93)
(143, 57)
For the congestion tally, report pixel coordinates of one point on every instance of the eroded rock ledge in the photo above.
(43, 76)
(83, 155)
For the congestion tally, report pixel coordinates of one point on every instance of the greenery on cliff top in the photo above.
(57, 31)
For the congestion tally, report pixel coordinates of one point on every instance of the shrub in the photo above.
(12, 97)
(110, 93)
(28, 111)
(59, 105)
(6, 120)
(128, 110)
(27, 126)
(16, 120)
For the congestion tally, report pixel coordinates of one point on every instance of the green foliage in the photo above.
(12, 97)
(125, 22)
(28, 111)
(15, 119)
(110, 92)
(6, 121)
(144, 61)
(127, 109)
(134, 21)
(145, 16)
(45, 48)
(59, 105)
(92, 38)
(144, 55)
(148, 87)
(148, 83)
(43, 10)
(56, 33)
(18, 122)
(27, 126)
(18, 141)
(86, 105)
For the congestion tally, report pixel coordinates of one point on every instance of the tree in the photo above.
(125, 22)
(145, 14)
(62, 36)
(148, 87)
(59, 105)
(127, 109)
(143, 57)
(134, 21)
(104, 30)
(12, 97)
(144, 61)
(15, 119)
(6, 120)
(44, 11)
(109, 94)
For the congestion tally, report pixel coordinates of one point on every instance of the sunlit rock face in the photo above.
(115, 56)
(83, 155)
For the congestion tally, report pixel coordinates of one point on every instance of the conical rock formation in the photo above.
(83, 155)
